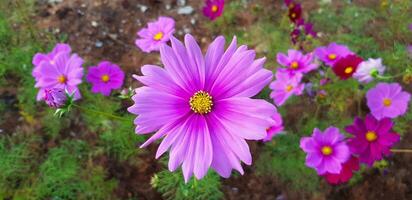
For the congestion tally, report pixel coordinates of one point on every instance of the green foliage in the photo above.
(59, 174)
(121, 142)
(284, 159)
(172, 186)
(16, 164)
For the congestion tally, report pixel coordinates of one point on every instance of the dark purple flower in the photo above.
(372, 138)
(55, 97)
(294, 35)
(308, 27)
(105, 77)
(295, 13)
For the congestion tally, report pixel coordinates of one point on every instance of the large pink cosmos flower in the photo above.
(373, 138)
(201, 105)
(156, 34)
(296, 62)
(327, 151)
(58, 69)
(285, 86)
(387, 100)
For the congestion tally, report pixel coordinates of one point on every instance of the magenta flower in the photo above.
(276, 129)
(213, 8)
(61, 71)
(327, 151)
(41, 57)
(296, 62)
(345, 174)
(285, 86)
(156, 34)
(387, 100)
(55, 98)
(105, 78)
(345, 67)
(372, 138)
(332, 53)
(201, 105)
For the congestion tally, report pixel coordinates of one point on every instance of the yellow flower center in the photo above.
(387, 102)
(158, 36)
(214, 8)
(293, 15)
(105, 78)
(289, 88)
(61, 79)
(201, 102)
(348, 70)
(332, 56)
(294, 65)
(371, 136)
(326, 150)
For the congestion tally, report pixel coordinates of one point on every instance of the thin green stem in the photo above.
(100, 113)
(388, 77)
(401, 150)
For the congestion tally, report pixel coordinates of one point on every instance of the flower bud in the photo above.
(55, 97)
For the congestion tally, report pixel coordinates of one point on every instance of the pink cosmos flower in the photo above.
(372, 138)
(156, 34)
(345, 174)
(332, 53)
(47, 57)
(55, 98)
(276, 129)
(285, 86)
(296, 62)
(61, 71)
(201, 105)
(327, 151)
(368, 69)
(105, 77)
(387, 100)
(213, 8)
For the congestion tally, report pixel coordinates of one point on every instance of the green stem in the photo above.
(100, 113)
(388, 77)
(401, 150)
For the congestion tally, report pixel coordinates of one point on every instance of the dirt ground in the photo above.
(106, 29)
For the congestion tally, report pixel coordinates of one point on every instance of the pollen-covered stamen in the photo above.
(387, 102)
(105, 78)
(326, 150)
(294, 65)
(348, 70)
(201, 102)
(61, 79)
(214, 8)
(293, 15)
(332, 56)
(371, 136)
(158, 36)
(289, 88)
